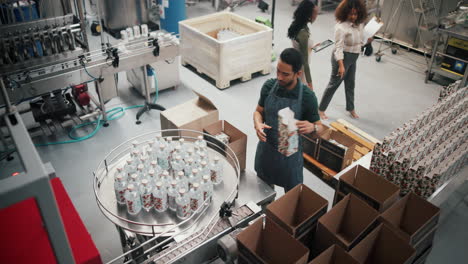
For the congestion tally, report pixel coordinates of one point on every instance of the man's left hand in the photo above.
(305, 127)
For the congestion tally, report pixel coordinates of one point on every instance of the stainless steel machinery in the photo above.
(151, 237)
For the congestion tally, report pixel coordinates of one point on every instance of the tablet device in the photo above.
(323, 45)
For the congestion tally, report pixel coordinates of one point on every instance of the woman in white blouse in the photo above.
(350, 16)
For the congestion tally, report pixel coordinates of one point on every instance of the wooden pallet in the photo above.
(224, 83)
(364, 145)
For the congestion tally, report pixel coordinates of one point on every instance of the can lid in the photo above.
(134, 176)
(169, 138)
(203, 162)
(161, 146)
(200, 137)
(119, 169)
(194, 171)
(135, 143)
(144, 181)
(131, 187)
(181, 140)
(173, 183)
(119, 177)
(151, 172)
(196, 185)
(158, 135)
(206, 177)
(216, 158)
(182, 191)
(180, 173)
(165, 173)
(178, 157)
(141, 167)
(190, 160)
(129, 161)
(159, 184)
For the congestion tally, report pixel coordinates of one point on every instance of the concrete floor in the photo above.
(388, 93)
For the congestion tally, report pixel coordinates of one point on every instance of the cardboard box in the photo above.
(194, 114)
(346, 224)
(311, 142)
(334, 255)
(298, 210)
(266, 242)
(237, 141)
(333, 156)
(412, 218)
(383, 246)
(422, 259)
(425, 243)
(370, 187)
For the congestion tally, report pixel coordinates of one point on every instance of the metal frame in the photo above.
(34, 183)
(431, 69)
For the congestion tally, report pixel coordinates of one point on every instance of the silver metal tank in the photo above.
(118, 14)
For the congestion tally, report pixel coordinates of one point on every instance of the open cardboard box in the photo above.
(347, 223)
(266, 242)
(334, 255)
(298, 210)
(194, 114)
(370, 187)
(383, 246)
(311, 142)
(237, 141)
(333, 156)
(412, 218)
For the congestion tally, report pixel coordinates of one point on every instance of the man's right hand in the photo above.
(260, 133)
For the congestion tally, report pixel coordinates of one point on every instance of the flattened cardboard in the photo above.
(311, 142)
(334, 255)
(267, 243)
(370, 187)
(383, 246)
(194, 114)
(237, 141)
(347, 223)
(332, 156)
(412, 218)
(298, 210)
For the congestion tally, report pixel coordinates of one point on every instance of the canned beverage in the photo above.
(124, 35)
(136, 31)
(130, 33)
(144, 30)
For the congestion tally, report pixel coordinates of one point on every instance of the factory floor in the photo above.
(388, 93)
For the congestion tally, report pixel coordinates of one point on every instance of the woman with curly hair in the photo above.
(306, 12)
(350, 16)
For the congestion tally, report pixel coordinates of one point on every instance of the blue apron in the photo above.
(270, 165)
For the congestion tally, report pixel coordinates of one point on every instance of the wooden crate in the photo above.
(224, 61)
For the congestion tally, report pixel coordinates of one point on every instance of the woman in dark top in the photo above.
(299, 34)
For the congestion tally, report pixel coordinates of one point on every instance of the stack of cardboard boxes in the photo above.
(201, 115)
(367, 225)
(428, 150)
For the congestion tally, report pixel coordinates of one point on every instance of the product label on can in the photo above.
(172, 201)
(158, 203)
(194, 204)
(120, 196)
(183, 211)
(147, 200)
(214, 176)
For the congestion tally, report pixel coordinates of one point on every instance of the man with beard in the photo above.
(286, 90)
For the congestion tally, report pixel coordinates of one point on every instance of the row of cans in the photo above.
(433, 118)
(449, 89)
(417, 178)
